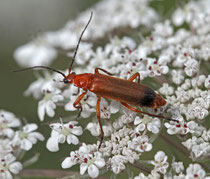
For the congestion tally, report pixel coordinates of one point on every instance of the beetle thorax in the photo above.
(83, 81)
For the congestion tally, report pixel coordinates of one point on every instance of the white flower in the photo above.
(94, 128)
(163, 29)
(198, 81)
(195, 171)
(101, 56)
(141, 144)
(204, 52)
(47, 104)
(147, 122)
(178, 167)
(181, 128)
(104, 109)
(191, 142)
(48, 82)
(63, 132)
(26, 137)
(141, 176)
(200, 113)
(152, 175)
(180, 176)
(178, 17)
(8, 165)
(35, 88)
(167, 55)
(117, 163)
(7, 122)
(177, 76)
(132, 64)
(198, 147)
(186, 14)
(200, 150)
(160, 162)
(130, 155)
(180, 36)
(92, 163)
(35, 53)
(182, 95)
(184, 55)
(186, 85)
(128, 116)
(206, 135)
(191, 67)
(166, 89)
(5, 147)
(72, 160)
(156, 69)
(117, 44)
(207, 82)
(150, 44)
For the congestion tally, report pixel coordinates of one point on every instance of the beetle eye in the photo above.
(65, 80)
(73, 73)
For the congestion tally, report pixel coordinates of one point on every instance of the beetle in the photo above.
(127, 92)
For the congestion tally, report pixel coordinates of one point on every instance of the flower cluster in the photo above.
(89, 159)
(14, 139)
(173, 55)
(177, 169)
(63, 132)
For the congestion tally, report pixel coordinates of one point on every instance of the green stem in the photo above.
(140, 166)
(50, 173)
(175, 144)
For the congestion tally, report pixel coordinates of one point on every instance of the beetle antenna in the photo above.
(80, 38)
(48, 68)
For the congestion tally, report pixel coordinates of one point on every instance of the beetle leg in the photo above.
(153, 115)
(99, 121)
(134, 76)
(97, 71)
(77, 103)
(75, 94)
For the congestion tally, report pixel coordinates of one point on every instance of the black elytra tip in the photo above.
(148, 98)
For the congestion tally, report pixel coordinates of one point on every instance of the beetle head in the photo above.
(69, 78)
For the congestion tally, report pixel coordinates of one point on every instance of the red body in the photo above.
(121, 90)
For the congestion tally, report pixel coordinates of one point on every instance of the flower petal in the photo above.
(41, 110)
(67, 163)
(30, 127)
(93, 171)
(114, 106)
(77, 130)
(83, 168)
(137, 120)
(26, 144)
(37, 135)
(50, 109)
(6, 175)
(15, 167)
(100, 163)
(72, 139)
(52, 144)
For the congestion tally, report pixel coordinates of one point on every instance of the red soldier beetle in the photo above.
(127, 92)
